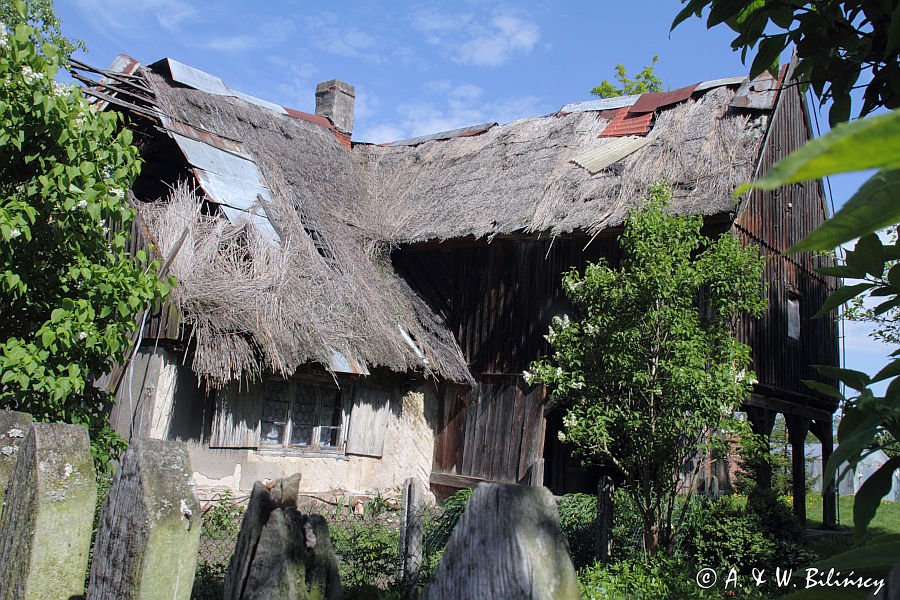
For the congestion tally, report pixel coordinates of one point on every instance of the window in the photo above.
(301, 415)
(793, 317)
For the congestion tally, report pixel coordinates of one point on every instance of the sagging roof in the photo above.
(299, 271)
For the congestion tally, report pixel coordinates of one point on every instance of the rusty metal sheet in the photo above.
(340, 363)
(652, 101)
(614, 150)
(725, 81)
(444, 135)
(759, 94)
(601, 104)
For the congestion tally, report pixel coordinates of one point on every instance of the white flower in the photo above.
(14, 234)
(30, 75)
(527, 376)
(117, 192)
(60, 90)
(82, 335)
(3, 43)
(81, 204)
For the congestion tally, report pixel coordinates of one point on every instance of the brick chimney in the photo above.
(334, 100)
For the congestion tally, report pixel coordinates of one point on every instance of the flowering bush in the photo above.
(69, 290)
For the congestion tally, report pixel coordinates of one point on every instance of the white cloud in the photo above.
(470, 40)
(267, 34)
(447, 106)
(128, 14)
(329, 34)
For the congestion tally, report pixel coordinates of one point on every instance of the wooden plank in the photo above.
(368, 421)
(236, 421)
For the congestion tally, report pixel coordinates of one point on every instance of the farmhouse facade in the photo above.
(363, 313)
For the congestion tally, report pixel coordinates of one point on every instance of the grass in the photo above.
(887, 519)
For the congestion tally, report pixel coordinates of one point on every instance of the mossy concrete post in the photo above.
(13, 427)
(412, 538)
(146, 546)
(282, 554)
(507, 544)
(48, 514)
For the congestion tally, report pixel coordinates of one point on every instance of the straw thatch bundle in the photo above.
(520, 176)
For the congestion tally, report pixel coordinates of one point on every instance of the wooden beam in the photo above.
(798, 427)
(455, 481)
(786, 407)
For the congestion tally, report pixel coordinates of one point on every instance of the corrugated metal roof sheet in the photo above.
(624, 123)
(230, 179)
(714, 83)
(444, 135)
(205, 82)
(601, 104)
(653, 101)
(612, 151)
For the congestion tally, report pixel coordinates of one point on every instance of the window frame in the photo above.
(342, 395)
(793, 300)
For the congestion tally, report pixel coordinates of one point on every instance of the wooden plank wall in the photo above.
(495, 433)
(774, 221)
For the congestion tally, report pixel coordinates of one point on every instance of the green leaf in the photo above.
(874, 206)
(840, 296)
(842, 271)
(823, 388)
(857, 441)
(892, 369)
(855, 379)
(886, 306)
(767, 57)
(869, 495)
(870, 143)
(868, 255)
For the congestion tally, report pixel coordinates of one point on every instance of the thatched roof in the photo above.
(323, 290)
(521, 176)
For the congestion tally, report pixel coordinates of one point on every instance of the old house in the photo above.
(363, 313)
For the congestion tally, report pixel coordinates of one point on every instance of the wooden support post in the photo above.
(797, 428)
(45, 529)
(412, 536)
(604, 518)
(149, 532)
(13, 427)
(762, 420)
(507, 544)
(282, 554)
(822, 429)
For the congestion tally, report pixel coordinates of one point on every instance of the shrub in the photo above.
(578, 520)
(657, 578)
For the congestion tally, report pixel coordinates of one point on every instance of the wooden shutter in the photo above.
(236, 418)
(368, 421)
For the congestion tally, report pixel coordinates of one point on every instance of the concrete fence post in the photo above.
(507, 544)
(13, 427)
(48, 514)
(412, 534)
(149, 532)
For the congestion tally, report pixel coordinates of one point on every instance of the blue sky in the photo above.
(424, 67)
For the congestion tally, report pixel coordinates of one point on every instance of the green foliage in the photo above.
(40, 15)
(645, 375)
(578, 521)
(369, 553)
(657, 579)
(223, 520)
(644, 81)
(69, 290)
(835, 41)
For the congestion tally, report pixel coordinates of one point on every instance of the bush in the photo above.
(657, 578)
(578, 520)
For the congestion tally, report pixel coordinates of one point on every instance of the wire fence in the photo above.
(366, 537)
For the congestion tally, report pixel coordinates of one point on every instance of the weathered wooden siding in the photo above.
(493, 433)
(774, 221)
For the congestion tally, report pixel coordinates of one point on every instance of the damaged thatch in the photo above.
(329, 288)
(520, 176)
(255, 306)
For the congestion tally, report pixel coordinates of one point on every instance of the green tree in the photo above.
(644, 81)
(836, 41)
(647, 375)
(69, 290)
